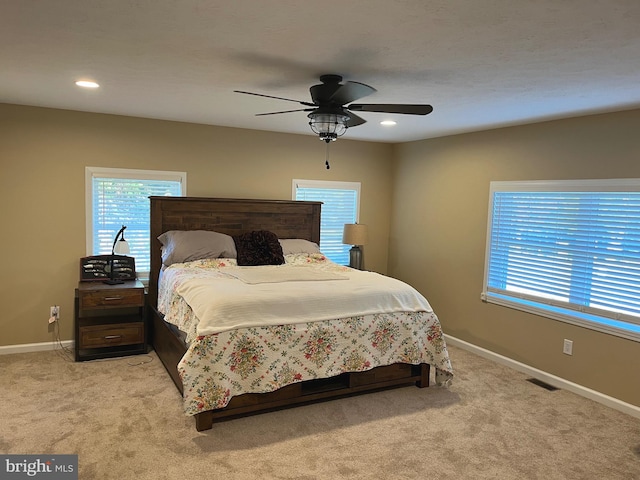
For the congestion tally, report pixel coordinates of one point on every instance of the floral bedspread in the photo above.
(262, 359)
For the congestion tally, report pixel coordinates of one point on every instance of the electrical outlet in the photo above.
(54, 313)
(567, 348)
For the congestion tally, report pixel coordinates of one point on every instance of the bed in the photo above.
(226, 370)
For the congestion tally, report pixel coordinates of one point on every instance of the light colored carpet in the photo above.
(126, 422)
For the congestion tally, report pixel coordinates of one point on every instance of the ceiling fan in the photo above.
(331, 110)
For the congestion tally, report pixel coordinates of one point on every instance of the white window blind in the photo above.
(117, 197)
(340, 205)
(574, 245)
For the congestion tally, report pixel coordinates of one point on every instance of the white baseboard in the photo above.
(558, 382)
(34, 347)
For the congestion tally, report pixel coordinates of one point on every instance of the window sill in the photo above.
(618, 328)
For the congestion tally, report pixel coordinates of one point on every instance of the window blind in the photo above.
(124, 201)
(579, 250)
(340, 206)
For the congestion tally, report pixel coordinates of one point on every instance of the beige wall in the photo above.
(43, 154)
(432, 195)
(439, 224)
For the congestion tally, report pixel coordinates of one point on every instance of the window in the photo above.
(116, 197)
(341, 201)
(569, 250)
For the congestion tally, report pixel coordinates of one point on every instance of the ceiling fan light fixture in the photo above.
(328, 126)
(331, 107)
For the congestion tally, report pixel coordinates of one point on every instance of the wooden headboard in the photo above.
(286, 218)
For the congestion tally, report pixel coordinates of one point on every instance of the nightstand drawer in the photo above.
(133, 297)
(100, 336)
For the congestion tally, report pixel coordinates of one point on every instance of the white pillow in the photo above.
(298, 245)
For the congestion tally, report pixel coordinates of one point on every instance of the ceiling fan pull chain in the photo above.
(326, 158)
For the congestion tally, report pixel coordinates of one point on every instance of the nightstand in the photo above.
(109, 320)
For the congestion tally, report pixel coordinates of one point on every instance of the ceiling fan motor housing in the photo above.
(321, 94)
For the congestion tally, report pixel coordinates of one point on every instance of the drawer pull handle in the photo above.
(112, 298)
(112, 337)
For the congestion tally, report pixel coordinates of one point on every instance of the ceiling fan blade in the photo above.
(392, 108)
(355, 120)
(278, 98)
(351, 91)
(286, 111)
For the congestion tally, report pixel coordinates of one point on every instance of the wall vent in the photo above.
(542, 384)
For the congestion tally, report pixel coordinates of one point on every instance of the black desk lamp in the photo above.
(120, 247)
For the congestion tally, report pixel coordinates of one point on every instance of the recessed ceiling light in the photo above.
(387, 123)
(87, 84)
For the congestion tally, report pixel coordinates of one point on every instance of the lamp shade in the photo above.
(122, 247)
(354, 234)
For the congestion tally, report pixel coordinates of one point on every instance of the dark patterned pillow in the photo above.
(259, 247)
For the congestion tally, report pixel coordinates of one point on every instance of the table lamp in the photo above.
(355, 234)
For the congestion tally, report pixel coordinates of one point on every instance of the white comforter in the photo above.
(222, 302)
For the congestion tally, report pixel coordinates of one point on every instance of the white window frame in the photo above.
(102, 172)
(330, 184)
(607, 322)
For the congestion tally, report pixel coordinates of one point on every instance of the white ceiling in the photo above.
(480, 63)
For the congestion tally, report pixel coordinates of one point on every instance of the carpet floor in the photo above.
(124, 419)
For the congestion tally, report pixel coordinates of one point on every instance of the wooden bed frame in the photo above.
(288, 219)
